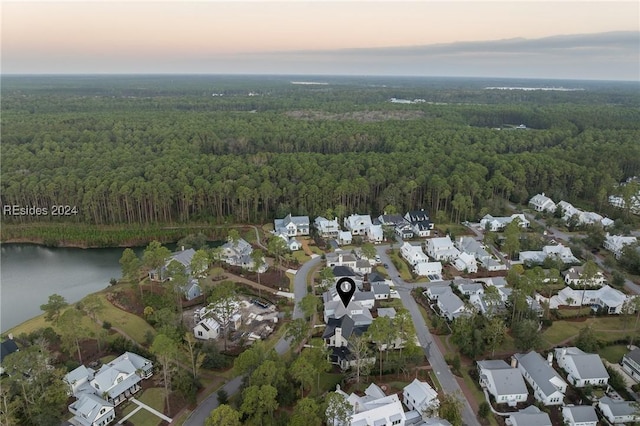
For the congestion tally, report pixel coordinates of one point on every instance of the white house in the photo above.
(341, 258)
(238, 253)
(291, 242)
(502, 381)
(466, 263)
(583, 369)
(91, 410)
(542, 203)
(327, 228)
(344, 238)
(559, 252)
(374, 408)
(435, 291)
(206, 329)
(495, 224)
(618, 412)
(631, 364)
(442, 249)
(413, 253)
(609, 299)
(530, 416)
(421, 397)
(579, 415)
(292, 225)
(451, 306)
(374, 233)
(428, 268)
(548, 387)
(468, 287)
(420, 223)
(616, 243)
(358, 224)
(470, 246)
(183, 257)
(574, 277)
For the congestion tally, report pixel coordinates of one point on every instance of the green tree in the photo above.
(259, 402)
(338, 409)
(72, 330)
(297, 331)
(326, 278)
(165, 350)
(177, 274)
(224, 299)
(369, 251)
(199, 263)
(257, 256)
(196, 357)
(512, 238)
(526, 334)
(53, 307)
(308, 305)
(277, 247)
(130, 265)
(361, 356)
(92, 305)
(587, 340)
(303, 372)
(451, 408)
(382, 333)
(484, 410)
(250, 359)
(223, 415)
(155, 256)
(306, 413)
(495, 330)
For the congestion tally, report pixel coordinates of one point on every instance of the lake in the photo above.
(29, 274)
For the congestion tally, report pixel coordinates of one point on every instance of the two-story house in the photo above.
(542, 203)
(358, 224)
(327, 228)
(502, 381)
(548, 387)
(631, 364)
(292, 226)
(583, 369)
(442, 249)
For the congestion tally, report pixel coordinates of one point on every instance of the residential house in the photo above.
(579, 216)
(429, 268)
(391, 220)
(579, 415)
(345, 238)
(435, 291)
(238, 253)
(292, 226)
(381, 291)
(291, 242)
(341, 258)
(631, 364)
(374, 408)
(420, 223)
(558, 252)
(451, 306)
(358, 224)
(473, 247)
(617, 201)
(496, 224)
(192, 289)
(442, 249)
(420, 396)
(548, 387)
(404, 231)
(618, 412)
(374, 233)
(360, 315)
(606, 298)
(206, 329)
(542, 203)
(183, 257)
(362, 266)
(91, 410)
(574, 277)
(339, 330)
(583, 369)
(327, 228)
(530, 416)
(413, 253)
(467, 287)
(365, 298)
(466, 263)
(502, 381)
(616, 243)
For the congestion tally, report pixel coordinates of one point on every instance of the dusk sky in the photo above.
(600, 40)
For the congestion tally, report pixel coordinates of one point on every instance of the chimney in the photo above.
(10, 336)
(550, 358)
(563, 352)
(514, 362)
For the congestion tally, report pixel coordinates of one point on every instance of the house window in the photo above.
(199, 333)
(395, 422)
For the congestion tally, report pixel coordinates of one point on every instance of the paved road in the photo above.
(431, 350)
(202, 411)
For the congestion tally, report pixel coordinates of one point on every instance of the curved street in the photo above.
(432, 351)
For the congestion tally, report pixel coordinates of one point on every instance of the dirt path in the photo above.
(305, 247)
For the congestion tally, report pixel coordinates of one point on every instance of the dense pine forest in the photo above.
(149, 150)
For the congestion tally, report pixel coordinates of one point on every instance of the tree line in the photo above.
(144, 160)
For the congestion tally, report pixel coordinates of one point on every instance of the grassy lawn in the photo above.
(606, 329)
(154, 398)
(405, 273)
(300, 256)
(291, 277)
(328, 382)
(435, 381)
(316, 250)
(391, 303)
(29, 326)
(380, 270)
(455, 228)
(132, 325)
(613, 353)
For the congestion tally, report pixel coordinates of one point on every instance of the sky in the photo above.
(515, 38)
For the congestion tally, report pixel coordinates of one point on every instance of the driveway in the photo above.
(435, 357)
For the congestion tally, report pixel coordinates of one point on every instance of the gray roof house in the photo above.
(579, 415)
(548, 386)
(183, 257)
(120, 378)
(582, 368)
(631, 364)
(530, 416)
(502, 381)
(91, 410)
(292, 225)
(618, 412)
(420, 396)
(450, 305)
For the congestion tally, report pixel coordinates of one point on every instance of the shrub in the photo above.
(106, 325)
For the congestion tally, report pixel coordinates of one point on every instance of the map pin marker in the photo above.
(346, 287)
